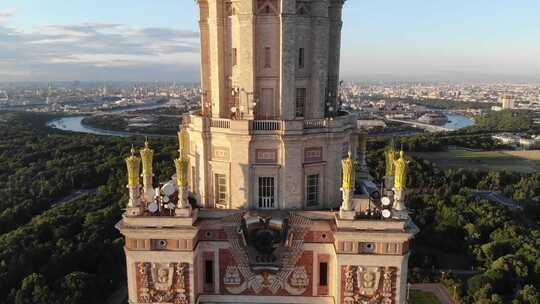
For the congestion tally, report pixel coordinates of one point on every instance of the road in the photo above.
(437, 289)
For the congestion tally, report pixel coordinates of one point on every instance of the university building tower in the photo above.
(272, 201)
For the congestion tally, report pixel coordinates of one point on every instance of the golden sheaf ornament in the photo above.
(181, 165)
(133, 166)
(183, 142)
(147, 156)
(390, 157)
(349, 172)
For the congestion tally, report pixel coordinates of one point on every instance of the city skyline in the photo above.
(387, 40)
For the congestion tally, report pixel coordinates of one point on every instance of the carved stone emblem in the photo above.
(162, 283)
(368, 280)
(299, 278)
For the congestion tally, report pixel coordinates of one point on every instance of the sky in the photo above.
(147, 40)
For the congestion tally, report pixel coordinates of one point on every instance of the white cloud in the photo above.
(93, 49)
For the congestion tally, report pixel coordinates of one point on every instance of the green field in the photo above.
(484, 160)
(422, 297)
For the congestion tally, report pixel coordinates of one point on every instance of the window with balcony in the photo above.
(300, 102)
(266, 192)
(313, 190)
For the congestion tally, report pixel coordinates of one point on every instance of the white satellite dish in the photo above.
(153, 207)
(386, 201)
(169, 188)
(171, 205)
(165, 199)
(149, 194)
(386, 213)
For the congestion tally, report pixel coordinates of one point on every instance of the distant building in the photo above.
(508, 102)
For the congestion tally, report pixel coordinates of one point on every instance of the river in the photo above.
(74, 124)
(457, 121)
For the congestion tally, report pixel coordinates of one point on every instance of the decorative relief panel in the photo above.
(267, 7)
(220, 153)
(303, 8)
(163, 283)
(368, 284)
(314, 154)
(266, 156)
(249, 269)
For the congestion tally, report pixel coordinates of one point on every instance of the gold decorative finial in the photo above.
(401, 171)
(147, 156)
(133, 164)
(349, 172)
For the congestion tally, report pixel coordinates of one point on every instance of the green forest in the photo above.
(64, 192)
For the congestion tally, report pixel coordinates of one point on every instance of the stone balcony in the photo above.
(272, 127)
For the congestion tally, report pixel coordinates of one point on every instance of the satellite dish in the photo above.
(165, 199)
(149, 195)
(153, 207)
(171, 206)
(169, 188)
(386, 201)
(386, 213)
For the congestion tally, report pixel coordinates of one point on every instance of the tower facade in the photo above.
(272, 201)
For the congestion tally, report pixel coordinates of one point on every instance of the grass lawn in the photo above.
(422, 297)
(521, 161)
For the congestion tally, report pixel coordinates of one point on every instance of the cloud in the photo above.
(89, 51)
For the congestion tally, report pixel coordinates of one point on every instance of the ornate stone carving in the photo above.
(368, 284)
(288, 276)
(162, 283)
(349, 281)
(368, 280)
(232, 276)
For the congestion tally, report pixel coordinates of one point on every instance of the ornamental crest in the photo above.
(162, 283)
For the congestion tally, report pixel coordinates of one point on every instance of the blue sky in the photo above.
(157, 40)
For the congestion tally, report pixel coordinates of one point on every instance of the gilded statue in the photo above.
(349, 172)
(147, 156)
(400, 171)
(133, 166)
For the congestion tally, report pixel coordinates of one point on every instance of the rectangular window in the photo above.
(313, 190)
(267, 54)
(323, 274)
(266, 193)
(301, 58)
(221, 189)
(209, 272)
(300, 101)
(234, 58)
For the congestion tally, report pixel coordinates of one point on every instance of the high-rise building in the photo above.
(272, 201)
(508, 102)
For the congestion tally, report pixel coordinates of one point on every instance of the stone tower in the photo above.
(272, 201)
(269, 106)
